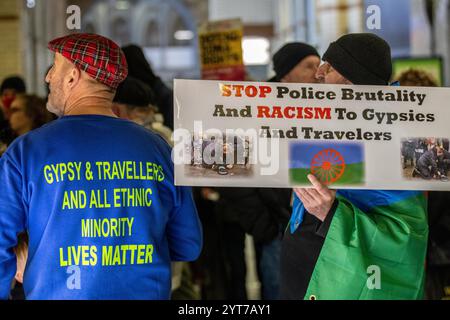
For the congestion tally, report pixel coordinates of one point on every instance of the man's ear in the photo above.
(74, 77)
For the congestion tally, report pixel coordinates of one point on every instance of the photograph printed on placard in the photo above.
(426, 159)
(215, 156)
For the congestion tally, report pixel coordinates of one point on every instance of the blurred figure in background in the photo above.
(28, 112)
(135, 101)
(295, 62)
(438, 253)
(417, 78)
(9, 88)
(139, 68)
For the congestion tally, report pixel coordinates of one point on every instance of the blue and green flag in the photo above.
(375, 247)
(332, 163)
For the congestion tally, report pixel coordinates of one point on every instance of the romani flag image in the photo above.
(332, 163)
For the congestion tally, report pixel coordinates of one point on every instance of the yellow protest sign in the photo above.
(221, 50)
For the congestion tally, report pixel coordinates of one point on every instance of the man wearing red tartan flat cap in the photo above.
(95, 193)
(85, 65)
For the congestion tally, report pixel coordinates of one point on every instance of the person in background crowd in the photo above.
(335, 236)
(416, 78)
(27, 113)
(259, 213)
(135, 101)
(296, 62)
(438, 252)
(89, 149)
(9, 88)
(139, 68)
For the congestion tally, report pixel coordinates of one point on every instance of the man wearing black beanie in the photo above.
(296, 62)
(355, 244)
(360, 58)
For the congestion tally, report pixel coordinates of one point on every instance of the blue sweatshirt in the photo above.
(96, 195)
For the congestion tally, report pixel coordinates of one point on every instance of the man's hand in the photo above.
(317, 201)
(22, 256)
(210, 194)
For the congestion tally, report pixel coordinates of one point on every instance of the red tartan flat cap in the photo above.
(99, 57)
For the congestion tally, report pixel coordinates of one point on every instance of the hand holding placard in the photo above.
(318, 200)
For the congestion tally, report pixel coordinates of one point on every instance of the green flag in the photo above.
(375, 248)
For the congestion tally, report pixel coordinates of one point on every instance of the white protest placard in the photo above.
(254, 134)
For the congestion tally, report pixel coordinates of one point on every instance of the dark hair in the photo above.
(138, 66)
(36, 110)
(417, 78)
(14, 82)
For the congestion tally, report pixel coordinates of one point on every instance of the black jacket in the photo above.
(261, 212)
(439, 224)
(429, 158)
(299, 254)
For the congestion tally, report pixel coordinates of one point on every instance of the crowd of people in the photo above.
(310, 243)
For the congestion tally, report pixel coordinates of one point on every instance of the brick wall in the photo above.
(10, 38)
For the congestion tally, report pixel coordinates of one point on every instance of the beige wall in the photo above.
(10, 38)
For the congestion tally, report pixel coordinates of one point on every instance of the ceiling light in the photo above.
(184, 35)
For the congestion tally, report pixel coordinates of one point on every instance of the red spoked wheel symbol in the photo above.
(328, 166)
